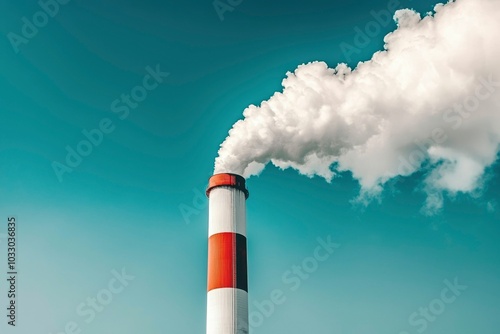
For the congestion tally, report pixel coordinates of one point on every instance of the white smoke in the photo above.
(430, 102)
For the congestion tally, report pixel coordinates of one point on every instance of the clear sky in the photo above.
(134, 203)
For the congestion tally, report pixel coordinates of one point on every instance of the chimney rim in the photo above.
(227, 180)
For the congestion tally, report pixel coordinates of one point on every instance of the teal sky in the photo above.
(121, 206)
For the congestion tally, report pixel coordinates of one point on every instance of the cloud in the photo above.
(429, 102)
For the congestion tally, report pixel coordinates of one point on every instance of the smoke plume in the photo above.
(429, 102)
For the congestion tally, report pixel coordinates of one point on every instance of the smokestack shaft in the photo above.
(227, 296)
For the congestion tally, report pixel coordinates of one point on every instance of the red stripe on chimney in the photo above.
(227, 261)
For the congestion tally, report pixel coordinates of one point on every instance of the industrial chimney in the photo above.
(227, 296)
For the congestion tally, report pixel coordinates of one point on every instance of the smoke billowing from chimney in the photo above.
(429, 102)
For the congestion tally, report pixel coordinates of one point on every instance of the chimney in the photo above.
(227, 296)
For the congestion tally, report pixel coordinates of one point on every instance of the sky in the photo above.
(123, 227)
